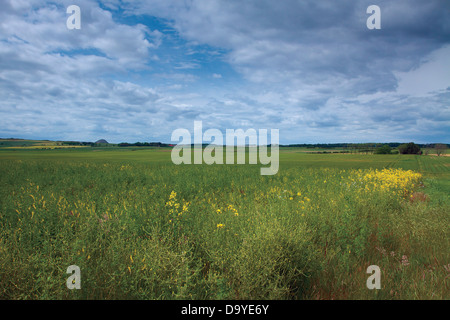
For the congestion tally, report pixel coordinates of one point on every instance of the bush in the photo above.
(440, 148)
(383, 150)
(409, 148)
(276, 263)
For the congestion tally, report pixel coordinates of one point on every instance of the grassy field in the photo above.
(140, 227)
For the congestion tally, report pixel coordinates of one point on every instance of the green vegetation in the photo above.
(140, 227)
(440, 148)
(409, 148)
(385, 149)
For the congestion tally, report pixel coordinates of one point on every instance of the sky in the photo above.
(138, 70)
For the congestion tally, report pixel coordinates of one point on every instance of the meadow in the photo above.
(140, 227)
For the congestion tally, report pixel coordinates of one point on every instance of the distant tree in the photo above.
(440, 148)
(409, 148)
(385, 149)
(427, 148)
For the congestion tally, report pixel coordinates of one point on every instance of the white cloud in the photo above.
(432, 75)
(42, 28)
(311, 69)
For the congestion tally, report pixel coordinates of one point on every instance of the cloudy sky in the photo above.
(137, 70)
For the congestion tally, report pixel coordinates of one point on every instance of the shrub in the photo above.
(409, 148)
(440, 148)
(276, 263)
(383, 150)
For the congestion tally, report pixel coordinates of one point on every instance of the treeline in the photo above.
(144, 144)
(77, 143)
(346, 147)
(353, 145)
(123, 144)
(410, 148)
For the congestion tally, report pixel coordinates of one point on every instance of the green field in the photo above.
(140, 227)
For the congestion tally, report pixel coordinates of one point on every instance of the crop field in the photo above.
(140, 227)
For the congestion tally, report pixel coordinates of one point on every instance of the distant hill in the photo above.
(101, 141)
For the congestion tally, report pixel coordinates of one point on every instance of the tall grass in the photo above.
(160, 231)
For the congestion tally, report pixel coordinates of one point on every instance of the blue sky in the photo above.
(138, 70)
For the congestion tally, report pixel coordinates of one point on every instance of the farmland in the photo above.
(140, 227)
